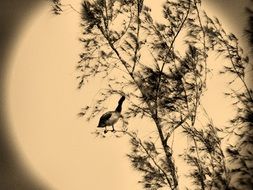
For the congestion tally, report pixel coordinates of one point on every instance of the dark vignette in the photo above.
(13, 176)
(12, 14)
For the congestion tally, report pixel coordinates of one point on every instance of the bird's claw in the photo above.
(105, 131)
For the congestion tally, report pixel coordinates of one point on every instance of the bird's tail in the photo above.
(100, 126)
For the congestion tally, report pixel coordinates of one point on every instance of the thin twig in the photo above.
(204, 39)
(72, 7)
(137, 45)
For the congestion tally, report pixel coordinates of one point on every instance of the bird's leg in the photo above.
(113, 128)
(105, 131)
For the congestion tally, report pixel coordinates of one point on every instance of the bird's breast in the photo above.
(113, 119)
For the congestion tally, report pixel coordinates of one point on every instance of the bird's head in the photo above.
(121, 100)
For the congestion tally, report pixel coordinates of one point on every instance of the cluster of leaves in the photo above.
(227, 45)
(147, 159)
(204, 156)
(207, 159)
(167, 88)
(107, 47)
(240, 152)
(57, 7)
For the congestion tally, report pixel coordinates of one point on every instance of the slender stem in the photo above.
(168, 154)
(233, 65)
(127, 27)
(169, 50)
(204, 39)
(151, 157)
(72, 7)
(137, 45)
(176, 126)
(106, 14)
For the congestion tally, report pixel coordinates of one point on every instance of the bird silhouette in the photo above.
(111, 117)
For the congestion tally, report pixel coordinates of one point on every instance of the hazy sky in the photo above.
(42, 102)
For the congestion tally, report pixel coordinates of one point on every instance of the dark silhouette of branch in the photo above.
(170, 48)
(135, 59)
(204, 39)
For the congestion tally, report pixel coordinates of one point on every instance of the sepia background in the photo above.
(43, 143)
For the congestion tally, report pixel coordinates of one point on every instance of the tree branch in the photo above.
(137, 45)
(151, 157)
(169, 49)
(204, 39)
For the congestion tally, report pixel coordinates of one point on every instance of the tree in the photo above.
(167, 88)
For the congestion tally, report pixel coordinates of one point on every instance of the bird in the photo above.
(111, 117)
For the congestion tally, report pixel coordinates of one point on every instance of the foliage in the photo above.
(206, 156)
(240, 152)
(167, 88)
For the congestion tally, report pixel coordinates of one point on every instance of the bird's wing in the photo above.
(106, 115)
(104, 118)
